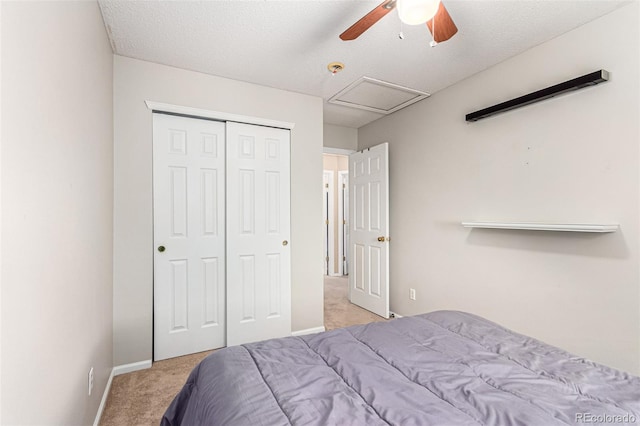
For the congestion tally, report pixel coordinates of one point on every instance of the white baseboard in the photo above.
(128, 368)
(116, 371)
(394, 315)
(308, 331)
(103, 402)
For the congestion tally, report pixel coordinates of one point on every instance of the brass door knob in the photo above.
(381, 239)
(161, 249)
(285, 242)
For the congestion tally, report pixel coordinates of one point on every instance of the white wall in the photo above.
(340, 137)
(136, 81)
(57, 201)
(574, 158)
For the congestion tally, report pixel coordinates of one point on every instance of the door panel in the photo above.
(258, 231)
(179, 302)
(210, 202)
(211, 288)
(359, 264)
(273, 203)
(178, 210)
(369, 219)
(189, 275)
(248, 285)
(358, 207)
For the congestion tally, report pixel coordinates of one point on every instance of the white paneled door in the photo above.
(258, 233)
(327, 220)
(369, 229)
(189, 235)
(343, 223)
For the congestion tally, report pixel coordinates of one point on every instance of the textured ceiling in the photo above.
(288, 44)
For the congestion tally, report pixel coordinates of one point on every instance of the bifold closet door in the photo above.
(258, 233)
(189, 235)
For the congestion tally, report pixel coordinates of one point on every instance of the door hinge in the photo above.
(344, 222)
(344, 258)
(326, 185)
(326, 222)
(327, 258)
(344, 185)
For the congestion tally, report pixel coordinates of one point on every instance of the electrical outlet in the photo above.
(412, 293)
(90, 380)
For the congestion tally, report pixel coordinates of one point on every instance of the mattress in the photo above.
(441, 368)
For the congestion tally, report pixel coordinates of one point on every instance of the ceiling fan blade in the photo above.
(444, 26)
(354, 31)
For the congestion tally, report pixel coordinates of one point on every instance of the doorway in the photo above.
(336, 212)
(362, 227)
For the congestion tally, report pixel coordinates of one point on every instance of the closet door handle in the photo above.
(285, 242)
(161, 249)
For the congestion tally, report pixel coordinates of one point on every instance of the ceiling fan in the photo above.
(411, 12)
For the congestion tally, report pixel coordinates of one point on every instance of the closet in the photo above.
(222, 264)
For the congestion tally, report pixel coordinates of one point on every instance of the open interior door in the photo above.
(369, 226)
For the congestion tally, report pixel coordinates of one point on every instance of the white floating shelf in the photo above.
(570, 227)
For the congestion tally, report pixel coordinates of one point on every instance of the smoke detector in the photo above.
(335, 67)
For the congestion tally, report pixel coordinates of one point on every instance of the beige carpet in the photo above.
(140, 398)
(338, 312)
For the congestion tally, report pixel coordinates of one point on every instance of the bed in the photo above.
(441, 368)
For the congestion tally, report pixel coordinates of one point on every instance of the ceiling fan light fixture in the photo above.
(415, 12)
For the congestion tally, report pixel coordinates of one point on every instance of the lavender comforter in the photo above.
(442, 368)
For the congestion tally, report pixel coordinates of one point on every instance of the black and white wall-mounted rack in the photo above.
(587, 80)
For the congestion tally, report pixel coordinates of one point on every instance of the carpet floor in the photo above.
(141, 397)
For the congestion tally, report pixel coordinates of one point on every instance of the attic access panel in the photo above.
(377, 96)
